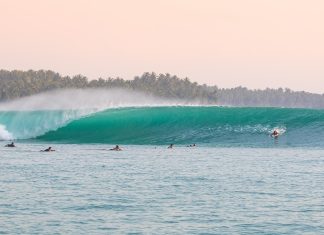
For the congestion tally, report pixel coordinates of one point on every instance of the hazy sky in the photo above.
(253, 43)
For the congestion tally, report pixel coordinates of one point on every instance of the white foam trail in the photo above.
(85, 99)
(4, 134)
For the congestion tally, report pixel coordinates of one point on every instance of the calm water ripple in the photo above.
(85, 189)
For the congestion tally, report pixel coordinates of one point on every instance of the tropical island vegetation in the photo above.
(15, 84)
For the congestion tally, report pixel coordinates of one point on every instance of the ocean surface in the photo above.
(238, 180)
(86, 189)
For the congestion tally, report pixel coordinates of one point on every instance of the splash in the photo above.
(4, 134)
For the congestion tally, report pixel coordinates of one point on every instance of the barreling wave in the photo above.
(213, 126)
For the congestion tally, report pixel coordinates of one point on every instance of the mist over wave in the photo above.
(86, 99)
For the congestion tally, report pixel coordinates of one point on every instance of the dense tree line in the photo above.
(15, 84)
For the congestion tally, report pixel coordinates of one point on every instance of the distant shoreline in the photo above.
(16, 84)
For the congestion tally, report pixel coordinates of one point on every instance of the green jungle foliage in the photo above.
(16, 84)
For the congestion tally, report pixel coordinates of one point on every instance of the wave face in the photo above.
(216, 126)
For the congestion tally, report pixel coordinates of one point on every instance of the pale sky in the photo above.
(253, 43)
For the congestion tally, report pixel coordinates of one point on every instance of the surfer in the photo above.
(49, 149)
(117, 148)
(170, 146)
(275, 134)
(192, 145)
(10, 145)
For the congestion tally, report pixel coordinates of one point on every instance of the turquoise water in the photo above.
(209, 126)
(85, 189)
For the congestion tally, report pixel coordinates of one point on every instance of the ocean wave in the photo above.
(169, 124)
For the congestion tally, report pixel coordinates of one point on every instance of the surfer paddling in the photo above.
(192, 145)
(116, 148)
(49, 149)
(10, 145)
